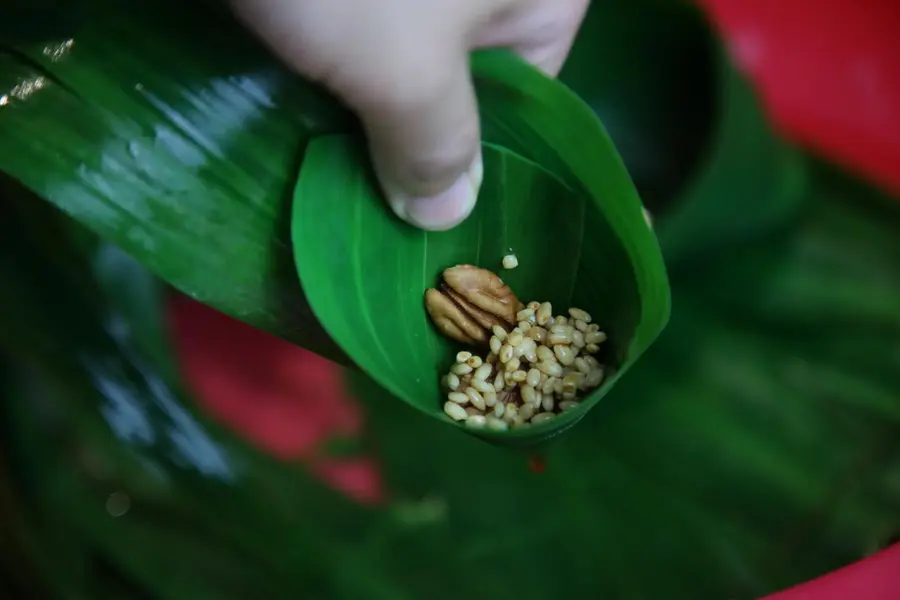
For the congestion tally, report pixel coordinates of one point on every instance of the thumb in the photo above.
(421, 119)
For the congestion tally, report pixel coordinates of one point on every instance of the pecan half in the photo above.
(470, 302)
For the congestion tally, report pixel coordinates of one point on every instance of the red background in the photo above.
(828, 72)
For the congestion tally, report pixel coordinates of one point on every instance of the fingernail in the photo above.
(448, 209)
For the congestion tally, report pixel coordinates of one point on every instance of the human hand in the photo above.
(403, 67)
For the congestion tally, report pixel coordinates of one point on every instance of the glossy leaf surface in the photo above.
(580, 237)
(176, 138)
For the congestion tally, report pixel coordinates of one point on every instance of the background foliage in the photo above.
(755, 446)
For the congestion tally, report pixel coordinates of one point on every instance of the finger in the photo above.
(403, 68)
(417, 104)
(540, 31)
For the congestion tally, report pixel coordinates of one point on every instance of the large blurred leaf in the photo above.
(649, 70)
(167, 130)
(754, 446)
(690, 129)
(577, 228)
(24, 571)
(92, 417)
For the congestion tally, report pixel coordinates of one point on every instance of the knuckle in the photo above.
(444, 163)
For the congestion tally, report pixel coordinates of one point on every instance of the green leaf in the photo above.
(750, 184)
(690, 129)
(648, 70)
(755, 446)
(755, 432)
(177, 139)
(572, 217)
(93, 407)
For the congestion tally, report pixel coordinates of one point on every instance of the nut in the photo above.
(469, 303)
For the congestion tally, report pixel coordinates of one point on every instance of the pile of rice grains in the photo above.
(533, 364)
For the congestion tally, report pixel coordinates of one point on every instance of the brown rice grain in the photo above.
(476, 398)
(476, 421)
(454, 411)
(529, 395)
(547, 403)
(552, 369)
(496, 424)
(564, 355)
(461, 369)
(458, 397)
(527, 411)
(499, 409)
(544, 313)
(482, 386)
(577, 313)
(594, 337)
(525, 315)
(483, 372)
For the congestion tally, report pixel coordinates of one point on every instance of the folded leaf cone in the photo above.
(555, 193)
